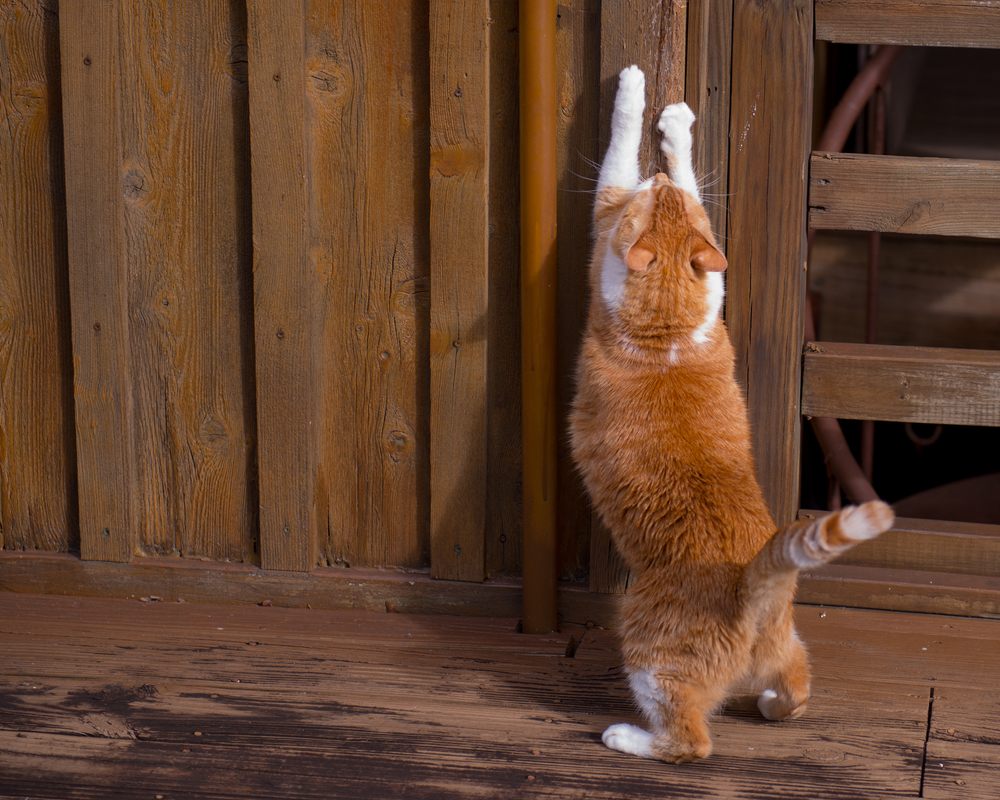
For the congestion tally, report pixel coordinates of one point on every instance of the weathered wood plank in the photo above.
(949, 23)
(37, 458)
(901, 590)
(503, 490)
(769, 149)
(707, 91)
(99, 279)
(651, 36)
(284, 290)
(404, 706)
(930, 545)
(459, 250)
(367, 83)
(578, 29)
(906, 384)
(184, 175)
(963, 748)
(893, 194)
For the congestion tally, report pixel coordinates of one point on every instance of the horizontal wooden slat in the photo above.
(960, 548)
(893, 194)
(905, 384)
(900, 590)
(943, 23)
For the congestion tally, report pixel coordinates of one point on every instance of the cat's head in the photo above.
(660, 269)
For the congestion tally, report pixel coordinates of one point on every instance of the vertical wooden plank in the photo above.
(284, 288)
(99, 276)
(367, 83)
(37, 458)
(770, 136)
(653, 37)
(503, 499)
(184, 173)
(707, 91)
(578, 30)
(459, 249)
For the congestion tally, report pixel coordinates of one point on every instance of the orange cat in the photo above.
(660, 432)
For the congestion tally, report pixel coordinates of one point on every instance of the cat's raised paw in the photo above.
(776, 709)
(629, 739)
(631, 97)
(675, 125)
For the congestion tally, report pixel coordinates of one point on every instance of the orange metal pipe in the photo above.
(537, 34)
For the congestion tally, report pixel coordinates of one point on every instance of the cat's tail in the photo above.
(810, 543)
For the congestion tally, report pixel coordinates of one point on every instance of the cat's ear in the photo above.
(707, 257)
(639, 258)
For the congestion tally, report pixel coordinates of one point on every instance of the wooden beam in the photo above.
(284, 292)
(770, 145)
(905, 384)
(99, 280)
(38, 472)
(962, 548)
(707, 92)
(459, 219)
(893, 194)
(942, 23)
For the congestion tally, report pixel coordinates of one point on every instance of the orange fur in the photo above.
(660, 433)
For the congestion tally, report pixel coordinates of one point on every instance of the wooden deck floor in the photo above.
(121, 698)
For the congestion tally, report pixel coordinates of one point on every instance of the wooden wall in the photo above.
(259, 270)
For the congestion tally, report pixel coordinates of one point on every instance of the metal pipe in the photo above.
(539, 429)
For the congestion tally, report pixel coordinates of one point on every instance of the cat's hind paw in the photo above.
(629, 739)
(631, 98)
(675, 125)
(776, 708)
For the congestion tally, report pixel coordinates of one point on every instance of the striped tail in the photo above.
(810, 543)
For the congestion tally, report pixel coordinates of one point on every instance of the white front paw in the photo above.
(629, 739)
(675, 125)
(631, 97)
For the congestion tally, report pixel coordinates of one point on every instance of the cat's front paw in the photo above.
(631, 98)
(629, 739)
(675, 125)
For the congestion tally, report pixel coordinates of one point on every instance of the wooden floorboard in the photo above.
(116, 698)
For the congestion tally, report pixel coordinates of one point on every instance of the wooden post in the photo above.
(769, 155)
(98, 275)
(538, 311)
(459, 184)
(284, 294)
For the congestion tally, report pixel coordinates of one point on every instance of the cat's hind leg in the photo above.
(675, 125)
(677, 713)
(781, 669)
(621, 161)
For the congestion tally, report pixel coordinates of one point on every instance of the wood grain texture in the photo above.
(459, 250)
(284, 291)
(769, 136)
(184, 179)
(578, 28)
(37, 450)
(651, 36)
(367, 82)
(963, 748)
(963, 548)
(950, 23)
(893, 194)
(156, 698)
(503, 490)
(905, 384)
(708, 74)
(99, 279)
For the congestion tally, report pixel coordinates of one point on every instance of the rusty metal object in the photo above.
(539, 429)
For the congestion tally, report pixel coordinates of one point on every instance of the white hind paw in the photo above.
(675, 125)
(867, 521)
(629, 739)
(631, 98)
